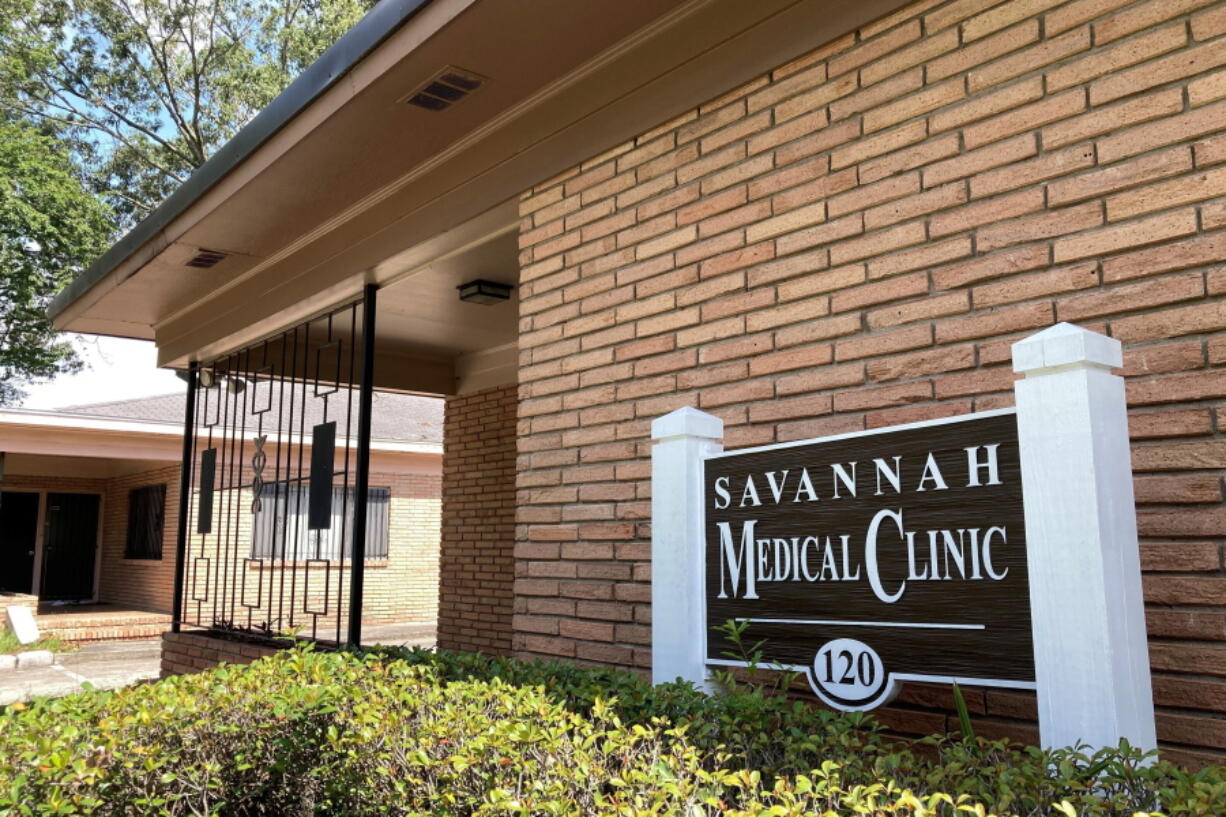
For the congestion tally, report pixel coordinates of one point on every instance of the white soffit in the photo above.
(351, 201)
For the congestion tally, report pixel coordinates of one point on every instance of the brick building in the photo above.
(90, 507)
(805, 217)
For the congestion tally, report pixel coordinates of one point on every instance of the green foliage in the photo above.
(49, 223)
(106, 106)
(414, 732)
(964, 714)
(144, 91)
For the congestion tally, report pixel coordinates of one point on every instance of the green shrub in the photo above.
(416, 732)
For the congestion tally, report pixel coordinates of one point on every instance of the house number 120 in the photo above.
(848, 672)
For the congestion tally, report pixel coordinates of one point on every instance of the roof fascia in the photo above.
(378, 24)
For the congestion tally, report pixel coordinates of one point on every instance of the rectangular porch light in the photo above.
(484, 292)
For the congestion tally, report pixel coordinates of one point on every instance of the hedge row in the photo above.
(415, 732)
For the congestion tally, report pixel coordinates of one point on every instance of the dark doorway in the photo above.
(18, 534)
(70, 547)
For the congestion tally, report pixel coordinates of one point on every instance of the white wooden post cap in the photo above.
(687, 422)
(1066, 345)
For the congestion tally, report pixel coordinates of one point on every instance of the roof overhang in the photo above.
(48, 433)
(340, 183)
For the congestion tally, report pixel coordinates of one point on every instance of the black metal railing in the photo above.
(276, 483)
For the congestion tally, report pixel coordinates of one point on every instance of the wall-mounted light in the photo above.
(484, 292)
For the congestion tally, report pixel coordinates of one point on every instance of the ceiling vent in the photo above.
(448, 87)
(205, 259)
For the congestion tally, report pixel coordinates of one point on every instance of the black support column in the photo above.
(361, 488)
(185, 495)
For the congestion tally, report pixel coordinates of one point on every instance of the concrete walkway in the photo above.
(106, 665)
(399, 635)
(114, 664)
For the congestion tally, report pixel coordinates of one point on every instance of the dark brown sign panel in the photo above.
(868, 559)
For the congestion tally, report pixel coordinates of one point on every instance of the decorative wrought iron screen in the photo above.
(277, 454)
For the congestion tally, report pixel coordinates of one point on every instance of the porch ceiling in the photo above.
(76, 467)
(360, 187)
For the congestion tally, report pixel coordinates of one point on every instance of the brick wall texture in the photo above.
(184, 653)
(401, 588)
(477, 562)
(853, 241)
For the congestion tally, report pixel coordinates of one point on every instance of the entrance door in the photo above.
(18, 533)
(70, 547)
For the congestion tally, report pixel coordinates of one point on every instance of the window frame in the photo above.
(156, 529)
(271, 492)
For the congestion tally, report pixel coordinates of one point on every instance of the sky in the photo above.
(115, 369)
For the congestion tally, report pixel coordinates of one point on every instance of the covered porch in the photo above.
(369, 208)
(66, 551)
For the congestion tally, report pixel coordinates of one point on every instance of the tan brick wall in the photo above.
(477, 562)
(854, 241)
(400, 588)
(185, 653)
(146, 584)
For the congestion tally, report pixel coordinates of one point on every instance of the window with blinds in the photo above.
(146, 515)
(280, 528)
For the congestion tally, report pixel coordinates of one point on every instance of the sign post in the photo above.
(684, 439)
(993, 549)
(1091, 652)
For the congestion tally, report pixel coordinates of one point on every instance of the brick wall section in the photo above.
(146, 584)
(854, 241)
(400, 588)
(184, 653)
(404, 587)
(477, 564)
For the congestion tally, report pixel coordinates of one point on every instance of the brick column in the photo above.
(476, 562)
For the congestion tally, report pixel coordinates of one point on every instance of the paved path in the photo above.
(107, 665)
(399, 635)
(114, 664)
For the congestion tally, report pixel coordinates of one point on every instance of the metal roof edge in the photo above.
(378, 24)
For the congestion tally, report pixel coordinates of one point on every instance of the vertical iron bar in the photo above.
(242, 406)
(185, 495)
(228, 483)
(362, 476)
(276, 569)
(300, 480)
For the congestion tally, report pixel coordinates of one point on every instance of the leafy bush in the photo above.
(415, 732)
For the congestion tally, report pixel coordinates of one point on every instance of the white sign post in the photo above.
(1091, 665)
(1090, 649)
(678, 642)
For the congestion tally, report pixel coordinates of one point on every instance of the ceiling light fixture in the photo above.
(484, 292)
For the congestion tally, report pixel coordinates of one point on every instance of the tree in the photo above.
(49, 221)
(147, 90)
(122, 99)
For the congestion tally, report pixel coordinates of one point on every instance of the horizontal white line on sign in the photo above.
(925, 625)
